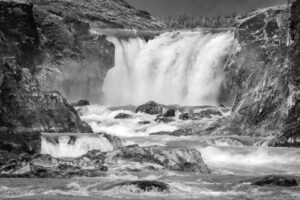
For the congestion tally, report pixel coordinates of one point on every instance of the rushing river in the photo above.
(230, 162)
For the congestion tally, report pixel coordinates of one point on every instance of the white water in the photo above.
(183, 68)
(64, 146)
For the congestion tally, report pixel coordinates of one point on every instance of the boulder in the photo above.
(144, 122)
(151, 108)
(274, 180)
(156, 157)
(80, 103)
(142, 186)
(163, 119)
(170, 113)
(123, 116)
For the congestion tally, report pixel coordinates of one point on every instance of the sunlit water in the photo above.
(230, 165)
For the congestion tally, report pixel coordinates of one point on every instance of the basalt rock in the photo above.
(169, 113)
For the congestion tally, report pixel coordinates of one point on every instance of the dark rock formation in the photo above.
(123, 116)
(143, 186)
(77, 58)
(25, 142)
(95, 163)
(24, 107)
(144, 122)
(80, 103)
(162, 119)
(273, 180)
(169, 113)
(19, 39)
(257, 83)
(151, 108)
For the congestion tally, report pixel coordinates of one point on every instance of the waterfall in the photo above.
(183, 68)
(58, 145)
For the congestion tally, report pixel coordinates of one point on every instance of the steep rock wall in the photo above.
(257, 83)
(24, 106)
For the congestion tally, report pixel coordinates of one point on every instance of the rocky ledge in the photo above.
(96, 163)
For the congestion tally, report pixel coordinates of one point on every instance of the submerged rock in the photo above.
(123, 116)
(151, 108)
(80, 103)
(142, 186)
(274, 180)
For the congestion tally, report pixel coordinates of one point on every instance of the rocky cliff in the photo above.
(76, 58)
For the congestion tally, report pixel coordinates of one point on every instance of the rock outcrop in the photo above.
(96, 163)
(24, 107)
(257, 83)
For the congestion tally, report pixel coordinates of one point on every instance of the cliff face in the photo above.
(18, 33)
(23, 105)
(262, 74)
(76, 58)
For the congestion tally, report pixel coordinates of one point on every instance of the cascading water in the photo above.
(183, 68)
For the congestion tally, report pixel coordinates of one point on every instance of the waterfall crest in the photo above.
(183, 68)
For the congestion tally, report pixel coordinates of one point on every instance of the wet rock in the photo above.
(155, 157)
(169, 113)
(25, 107)
(144, 122)
(274, 180)
(47, 166)
(114, 140)
(177, 133)
(24, 142)
(184, 116)
(143, 186)
(163, 119)
(12, 164)
(123, 116)
(80, 103)
(151, 108)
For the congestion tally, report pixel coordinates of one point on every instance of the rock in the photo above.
(114, 140)
(151, 108)
(144, 122)
(155, 157)
(123, 116)
(25, 142)
(20, 44)
(170, 113)
(184, 116)
(80, 103)
(24, 107)
(177, 133)
(45, 166)
(12, 164)
(274, 180)
(163, 119)
(142, 186)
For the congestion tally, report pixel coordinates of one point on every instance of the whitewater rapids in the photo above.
(184, 68)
